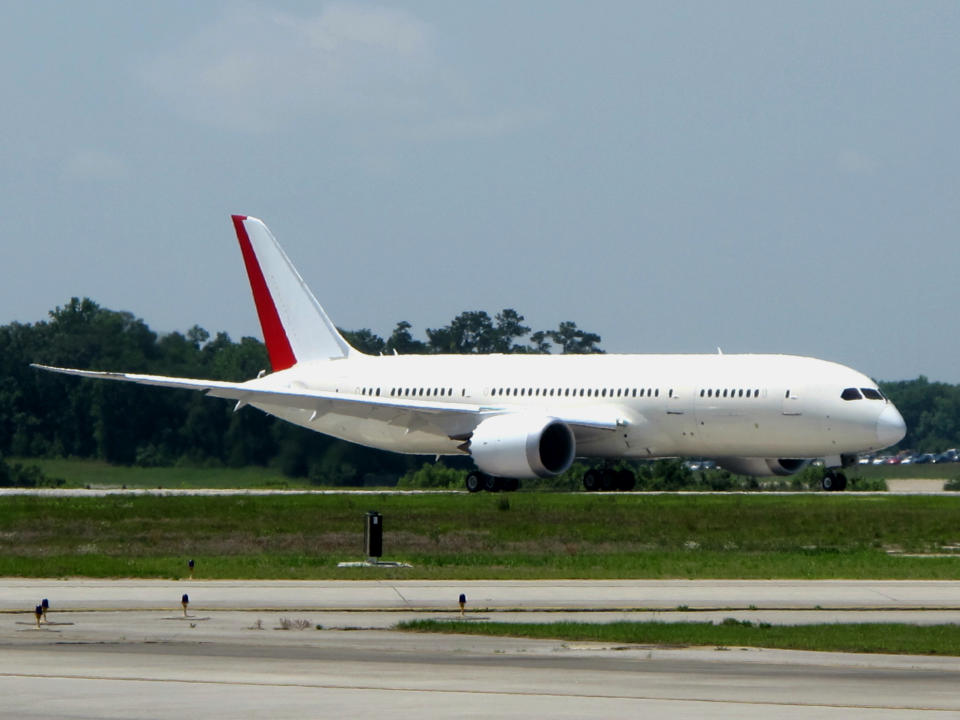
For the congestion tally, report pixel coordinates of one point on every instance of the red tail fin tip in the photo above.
(274, 335)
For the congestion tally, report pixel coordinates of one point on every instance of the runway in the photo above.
(128, 652)
(384, 674)
(498, 595)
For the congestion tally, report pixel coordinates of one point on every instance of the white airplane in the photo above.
(525, 416)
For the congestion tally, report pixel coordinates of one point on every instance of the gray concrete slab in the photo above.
(226, 670)
(124, 650)
(86, 594)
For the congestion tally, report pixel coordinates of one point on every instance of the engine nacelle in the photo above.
(762, 467)
(522, 446)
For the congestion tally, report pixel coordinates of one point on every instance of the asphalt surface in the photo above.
(500, 595)
(125, 649)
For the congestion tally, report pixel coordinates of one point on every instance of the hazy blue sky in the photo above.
(675, 176)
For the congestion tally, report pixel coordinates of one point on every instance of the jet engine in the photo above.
(762, 467)
(521, 446)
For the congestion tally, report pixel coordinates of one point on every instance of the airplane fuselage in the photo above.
(665, 405)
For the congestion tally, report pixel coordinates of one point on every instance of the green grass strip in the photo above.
(521, 536)
(828, 637)
(684, 564)
(96, 473)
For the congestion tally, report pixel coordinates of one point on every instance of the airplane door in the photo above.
(680, 412)
(791, 403)
(723, 420)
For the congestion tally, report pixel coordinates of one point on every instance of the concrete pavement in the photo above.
(122, 649)
(87, 594)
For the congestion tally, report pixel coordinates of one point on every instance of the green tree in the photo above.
(508, 330)
(931, 411)
(541, 341)
(572, 340)
(474, 331)
(403, 343)
(471, 331)
(364, 340)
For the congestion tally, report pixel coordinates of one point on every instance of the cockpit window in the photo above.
(871, 394)
(851, 394)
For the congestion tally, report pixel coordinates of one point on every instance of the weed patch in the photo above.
(855, 637)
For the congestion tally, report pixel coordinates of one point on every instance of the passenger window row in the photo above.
(523, 392)
(422, 392)
(574, 392)
(727, 392)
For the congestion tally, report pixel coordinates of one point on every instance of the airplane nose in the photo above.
(890, 426)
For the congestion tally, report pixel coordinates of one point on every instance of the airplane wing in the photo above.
(249, 392)
(446, 417)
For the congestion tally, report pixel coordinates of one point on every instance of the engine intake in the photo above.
(522, 446)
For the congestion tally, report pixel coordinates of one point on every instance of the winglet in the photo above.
(295, 326)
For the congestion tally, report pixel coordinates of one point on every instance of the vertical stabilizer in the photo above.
(295, 327)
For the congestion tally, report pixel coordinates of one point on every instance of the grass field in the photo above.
(517, 536)
(859, 637)
(98, 474)
(940, 471)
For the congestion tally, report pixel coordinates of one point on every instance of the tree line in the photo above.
(49, 415)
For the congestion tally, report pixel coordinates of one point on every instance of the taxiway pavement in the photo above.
(123, 649)
(543, 595)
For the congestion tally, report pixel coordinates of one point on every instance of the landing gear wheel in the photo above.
(625, 480)
(509, 484)
(491, 483)
(833, 481)
(841, 482)
(828, 480)
(608, 481)
(474, 481)
(591, 480)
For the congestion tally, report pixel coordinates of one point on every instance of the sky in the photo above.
(675, 176)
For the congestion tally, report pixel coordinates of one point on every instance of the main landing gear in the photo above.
(477, 481)
(607, 479)
(833, 480)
